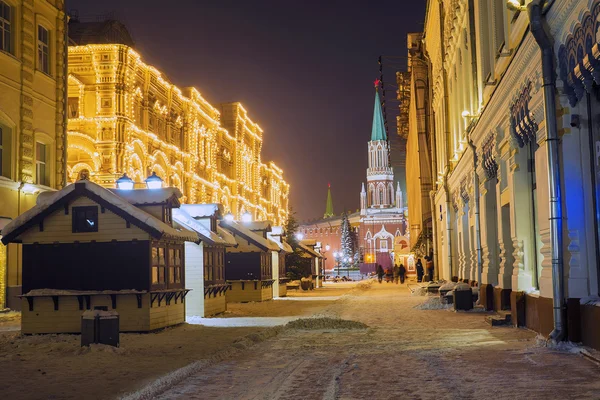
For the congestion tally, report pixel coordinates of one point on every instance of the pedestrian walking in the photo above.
(380, 273)
(396, 273)
(429, 266)
(420, 271)
(401, 273)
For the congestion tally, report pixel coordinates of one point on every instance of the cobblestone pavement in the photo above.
(406, 353)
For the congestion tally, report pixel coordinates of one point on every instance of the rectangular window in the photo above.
(5, 27)
(171, 265)
(499, 21)
(85, 219)
(154, 265)
(43, 50)
(73, 107)
(178, 266)
(41, 173)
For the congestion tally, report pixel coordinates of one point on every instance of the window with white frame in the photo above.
(5, 27)
(43, 50)
(41, 168)
(383, 245)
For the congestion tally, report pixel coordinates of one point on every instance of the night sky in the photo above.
(302, 69)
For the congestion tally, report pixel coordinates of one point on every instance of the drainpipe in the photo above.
(477, 219)
(65, 97)
(473, 38)
(536, 10)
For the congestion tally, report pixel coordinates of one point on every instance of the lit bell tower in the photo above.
(380, 175)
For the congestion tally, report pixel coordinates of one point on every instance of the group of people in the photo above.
(398, 273)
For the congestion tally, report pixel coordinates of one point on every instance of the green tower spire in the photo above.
(378, 131)
(329, 207)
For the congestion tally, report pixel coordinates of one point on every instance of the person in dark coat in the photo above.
(380, 273)
(396, 273)
(429, 266)
(401, 273)
(420, 271)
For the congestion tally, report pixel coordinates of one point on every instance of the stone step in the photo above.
(501, 318)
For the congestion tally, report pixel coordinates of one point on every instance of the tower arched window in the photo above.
(381, 197)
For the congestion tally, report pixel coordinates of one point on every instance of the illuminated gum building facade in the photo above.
(126, 117)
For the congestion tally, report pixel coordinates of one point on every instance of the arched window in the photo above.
(381, 197)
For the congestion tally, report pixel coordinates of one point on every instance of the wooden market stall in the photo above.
(86, 246)
(205, 258)
(248, 266)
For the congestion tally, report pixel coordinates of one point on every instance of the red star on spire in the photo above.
(329, 185)
(376, 83)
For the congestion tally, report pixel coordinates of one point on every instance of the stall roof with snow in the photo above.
(203, 210)
(246, 237)
(181, 217)
(308, 250)
(55, 201)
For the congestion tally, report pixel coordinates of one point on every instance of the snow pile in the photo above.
(99, 348)
(239, 321)
(417, 291)
(365, 285)
(433, 303)
(591, 301)
(462, 286)
(565, 347)
(9, 316)
(324, 323)
(448, 286)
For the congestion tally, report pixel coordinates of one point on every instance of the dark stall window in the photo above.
(85, 219)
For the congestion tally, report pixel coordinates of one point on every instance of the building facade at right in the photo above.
(513, 122)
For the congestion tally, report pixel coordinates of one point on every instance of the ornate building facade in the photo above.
(380, 227)
(126, 117)
(32, 117)
(514, 102)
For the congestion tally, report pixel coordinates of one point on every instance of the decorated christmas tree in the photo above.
(347, 250)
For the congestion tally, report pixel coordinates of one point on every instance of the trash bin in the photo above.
(463, 297)
(100, 326)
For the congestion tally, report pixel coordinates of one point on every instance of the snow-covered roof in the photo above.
(284, 246)
(277, 231)
(43, 196)
(203, 210)
(227, 236)
(148, 197)
(240, 230)
(97, 193)
(309, 250)
(276, 236)
(206, 235)
(258, 225)
(3, 222)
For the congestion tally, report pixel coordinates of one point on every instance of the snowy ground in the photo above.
(412, 348)
(406, 353)
(56, 367)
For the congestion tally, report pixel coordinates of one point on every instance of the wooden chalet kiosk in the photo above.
(313, 257)
(86, 246)
(205, 258)
(248, 266)
(277, 235)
